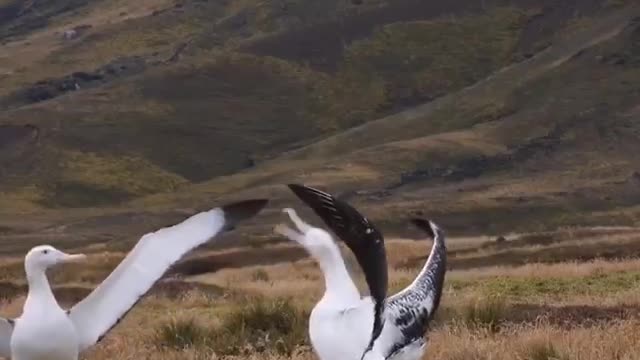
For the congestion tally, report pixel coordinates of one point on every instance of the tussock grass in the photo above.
(260, 275)
(265, 325)
(541, 350)
(256, 325)
(573, 315)
(180, 334)
(485, 314)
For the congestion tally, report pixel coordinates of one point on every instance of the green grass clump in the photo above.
(263, 325)
(254, 325)
(180, 334)
(486, 314)
(260, 275)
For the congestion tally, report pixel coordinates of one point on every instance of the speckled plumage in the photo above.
(411, 310)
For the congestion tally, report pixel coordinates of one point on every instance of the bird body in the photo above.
(331, 324)
(340, 313)
(344, 325)
(56, 334)
(45, 331)
(58, 338)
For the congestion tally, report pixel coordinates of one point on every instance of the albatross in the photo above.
(343, 324)
(46, 331)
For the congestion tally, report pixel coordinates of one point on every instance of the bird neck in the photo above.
(40, 293)
(338, 283)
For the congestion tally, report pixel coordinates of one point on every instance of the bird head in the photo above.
(44, 257)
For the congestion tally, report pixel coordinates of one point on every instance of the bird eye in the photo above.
(45, 252)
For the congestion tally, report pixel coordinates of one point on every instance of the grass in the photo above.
(557, 134)
(541, 350)
(430, 58)
(256, 325)
(128, 175)
(487, 314)
(591, 285)
(232, 113)
(180, 334)
(566, 310)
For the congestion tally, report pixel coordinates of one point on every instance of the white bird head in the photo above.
(318, 243)
(42, 257)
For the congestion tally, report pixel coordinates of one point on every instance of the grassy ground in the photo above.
(557, 309)
(507, 118)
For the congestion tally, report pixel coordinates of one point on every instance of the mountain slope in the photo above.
(499, 117)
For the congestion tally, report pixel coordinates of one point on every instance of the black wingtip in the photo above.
(427, 226)
(360, 235)
(294, 187)
(303, 191)
(242, 210)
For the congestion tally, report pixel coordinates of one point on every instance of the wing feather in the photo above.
(154, 253)
(411, 309)
(361, 236)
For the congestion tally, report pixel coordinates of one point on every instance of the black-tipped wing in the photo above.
(362, 238)
(240, 211)
(95, 315)
(411, 310)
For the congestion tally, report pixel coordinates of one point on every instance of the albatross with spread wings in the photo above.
(45, 331)
(343, 325)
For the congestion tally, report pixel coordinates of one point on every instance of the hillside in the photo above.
(492, 116)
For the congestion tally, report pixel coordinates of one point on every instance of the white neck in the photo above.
(40, 294)
(339, 287)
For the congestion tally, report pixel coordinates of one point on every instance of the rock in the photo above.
(69, 34)
(50, 88)
(39, 93)
(85, 76)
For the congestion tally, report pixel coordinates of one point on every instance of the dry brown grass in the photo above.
(562, 310)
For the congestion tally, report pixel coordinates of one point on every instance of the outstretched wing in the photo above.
(411, 310)
(362, 238)
(6, 329)
(146, 263)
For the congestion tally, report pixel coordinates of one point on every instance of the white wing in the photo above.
(95, 315)
(6, 328)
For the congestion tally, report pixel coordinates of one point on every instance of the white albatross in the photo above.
(46, 331)
(343, 325)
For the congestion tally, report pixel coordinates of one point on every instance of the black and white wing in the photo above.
(154, 253)
(411, 310)
(6, 329)
(362, 238)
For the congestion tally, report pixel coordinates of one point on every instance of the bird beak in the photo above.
(73, 258)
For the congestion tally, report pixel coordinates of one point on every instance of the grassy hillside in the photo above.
(493, 116)
(511, 118)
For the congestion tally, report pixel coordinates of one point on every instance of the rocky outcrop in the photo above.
(51, 88)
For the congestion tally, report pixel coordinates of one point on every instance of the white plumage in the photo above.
(46, 331)
(337, 321)
(345, 325)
